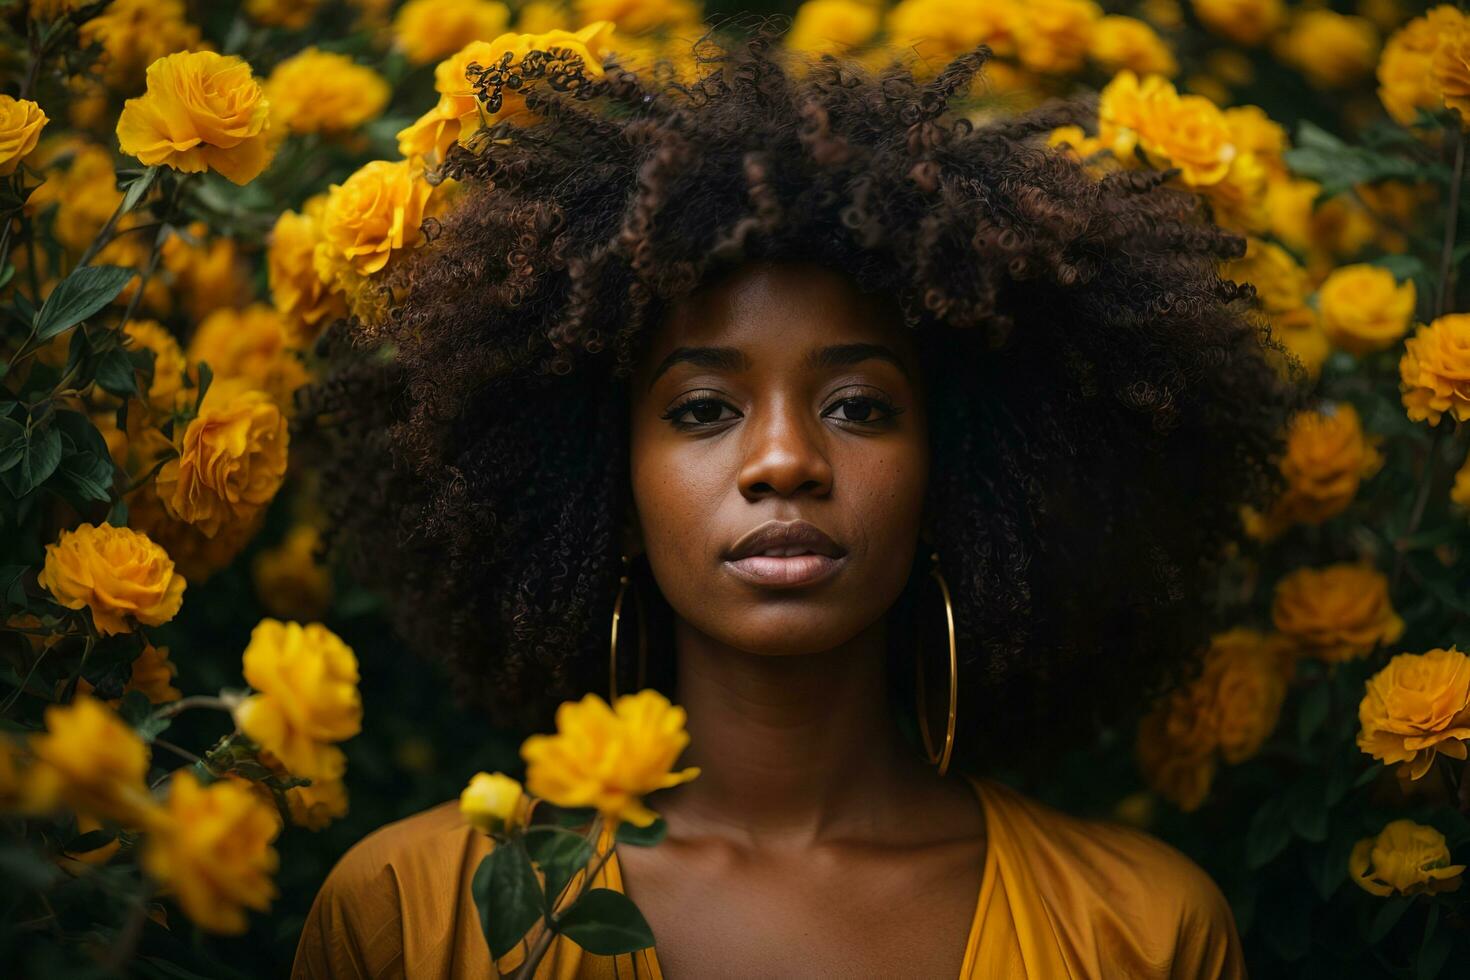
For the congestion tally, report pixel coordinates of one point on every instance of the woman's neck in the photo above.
(794, 749)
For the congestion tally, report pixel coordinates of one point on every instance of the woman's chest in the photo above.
(896, 914)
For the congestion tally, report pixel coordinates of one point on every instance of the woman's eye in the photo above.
(702, 411)
(861, 409)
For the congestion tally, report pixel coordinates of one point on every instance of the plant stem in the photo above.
(1446, 297)
(543, 942)
(193, 701)
(1426, 484)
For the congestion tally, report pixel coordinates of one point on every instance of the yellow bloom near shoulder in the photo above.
(201, 111)
(1405, 857)
(94, 762)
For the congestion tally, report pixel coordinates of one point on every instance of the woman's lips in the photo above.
(784, 572)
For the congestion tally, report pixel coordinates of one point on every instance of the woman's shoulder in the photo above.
(1110, 877)
(432, 843)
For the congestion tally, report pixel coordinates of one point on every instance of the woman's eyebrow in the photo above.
(733, 359)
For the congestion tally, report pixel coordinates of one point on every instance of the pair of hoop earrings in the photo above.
(939, 759)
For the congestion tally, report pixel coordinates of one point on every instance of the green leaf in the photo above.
(559, 853)
(642, 836)
(1308, 809)
(39, 459)
(12, 443)
(89, 476)
(78, 296)
(1434, 948)
(137, 711)
(605, 922)
(206, 375)
(1388, 916)
(507, 895)
(1337, 166)
(115, 373)
(137, 187)
(1312, 711)
(1268, 833)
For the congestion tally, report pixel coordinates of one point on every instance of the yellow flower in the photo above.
(637, 16)
(1406, 857)
(609, 758)
(1125, 42)
(1434, 371)
(1281, 283)
(1053, 35)
(1247, 673)
(318, 804)
(307, 698)
(832, 26)
(1450, 68)
(1126, 108)
(152, 674)
(1327, 457)
(85, 194)
(207, 272)
(251, 345)
(117, 573)
(1406, 77)
(430, 29)
(1239, 198)
(21, 122)
(1247, 22)
(937, 30)
(493, 803)
(202, 111)
(1175, 748)
(324, 92)
(197, 555)
(231, 462)
(212, 848)
(1337, 613)
(95, 761)
(289, 581)
(1416, 706)
(291, 14)
(1188, 132)
(300, 296)
(459, 113)
(1332, 50)
(377, 211)
(168, 362)
(135, 33)
(1252, 131)
(1364, 309)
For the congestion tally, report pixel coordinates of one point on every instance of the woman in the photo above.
(836, 379)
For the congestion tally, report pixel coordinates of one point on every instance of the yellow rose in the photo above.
(212, 849)
(1239, 199)
(152, 675)
(1332, 50)
(637, 16)
(1188, 132)
(94, 760)
(318, 804)
(1176, 743)
(231, 462)
(1364, 309)
(1450, 68)
(84, 193)
(1327, 457)
(290, 14)
(832, 26)
(135, 33)
(1280, 281)
(493, 803)
(1246, 674)
(1337, 613)
(1252, 131)
(21, 122)
(1416, 706)
(937, 30)
(299, 294)
(609, 758)
(168, 362)
(1247, 22)
(1054, 35)
(197, 555)
(251, 345)
(289, 580)
(1434, 371)
(1406, 857)
(117, 573)
(1301, 332)
(429, 29)
(202, 111)
(1125, 42)
(317, 91)
(377, 211)
(1126, 108)
(1406, 78)
(459, 113)
(307, 698)
(207, 272)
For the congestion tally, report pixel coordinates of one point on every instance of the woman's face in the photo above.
(779, 394)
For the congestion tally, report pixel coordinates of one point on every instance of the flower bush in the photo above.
(198, 714)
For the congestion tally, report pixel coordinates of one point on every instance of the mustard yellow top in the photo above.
(1061, 897)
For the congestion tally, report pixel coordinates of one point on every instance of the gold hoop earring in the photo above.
(617, 615)
(940, 758)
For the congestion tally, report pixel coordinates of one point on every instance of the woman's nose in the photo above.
(785, 454)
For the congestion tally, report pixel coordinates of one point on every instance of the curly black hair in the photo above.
(1101, 400)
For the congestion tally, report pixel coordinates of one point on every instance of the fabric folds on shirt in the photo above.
(1060, 897)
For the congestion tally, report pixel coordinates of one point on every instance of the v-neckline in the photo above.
(988, 873)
